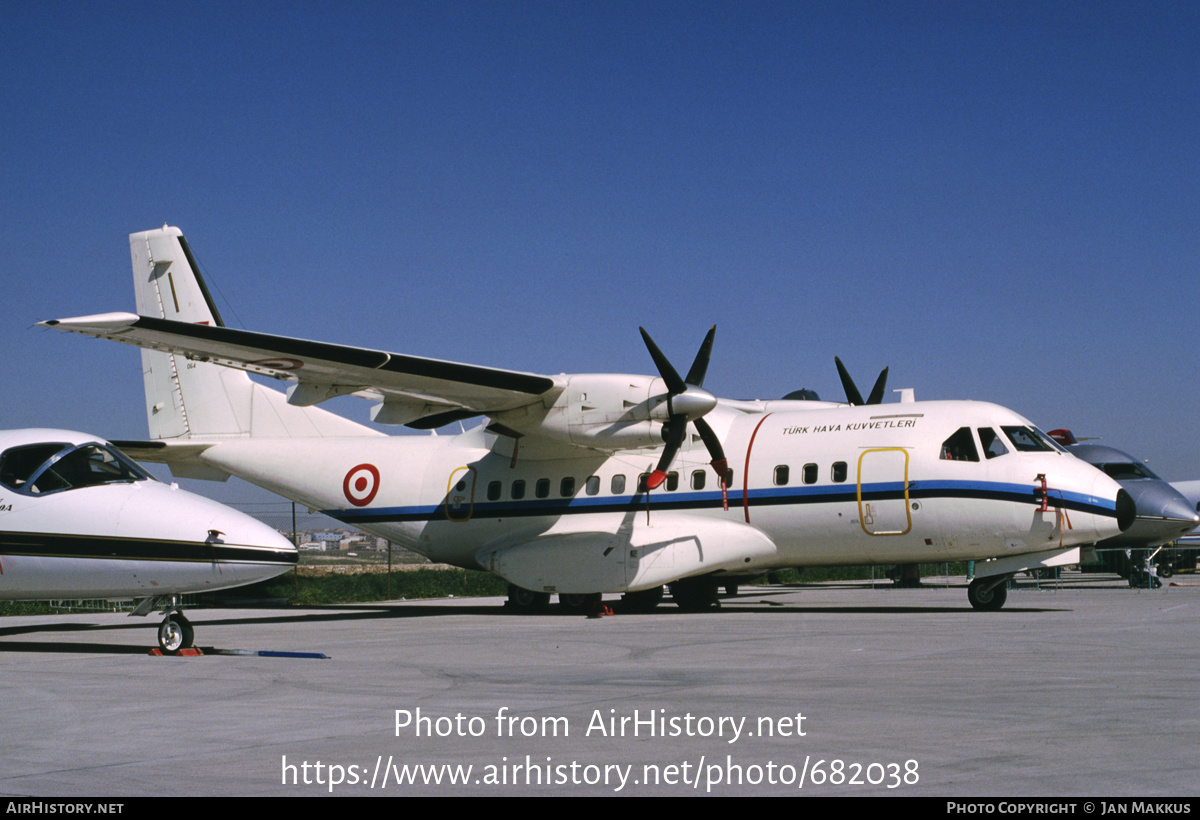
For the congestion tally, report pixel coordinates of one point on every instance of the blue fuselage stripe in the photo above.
(771, 496)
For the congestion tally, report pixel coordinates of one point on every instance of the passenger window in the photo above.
(542, 488)
(593, 485)
(960, 446)
(642, 479)
(672, 482)
(518, 489)
(839, 472)
(810, 473)
(729, 477)
(493, 492)
(698, 479)
(618, 484)
(781, 475)
(993, 445)
(566, 487)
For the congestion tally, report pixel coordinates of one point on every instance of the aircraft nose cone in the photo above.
(1163, 514)
(197, 519)
(1162, 501)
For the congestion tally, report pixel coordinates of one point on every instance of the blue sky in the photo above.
(998, 200)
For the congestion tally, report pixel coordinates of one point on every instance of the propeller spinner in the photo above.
(687, 401)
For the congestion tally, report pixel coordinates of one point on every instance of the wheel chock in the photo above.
(190, 652)
(600, 609)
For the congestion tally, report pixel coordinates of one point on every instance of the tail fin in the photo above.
(187, 399)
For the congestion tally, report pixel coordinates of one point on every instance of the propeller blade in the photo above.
(695, 376)
(669, 374)
(673, 434)
(852, 395)
(719, 462)
(855, 398)
(876, 396)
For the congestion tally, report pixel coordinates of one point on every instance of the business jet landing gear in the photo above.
(1142, 572)
(988, 594)
(175, 633)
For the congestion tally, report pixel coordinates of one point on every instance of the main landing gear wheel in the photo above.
(695, 594)
(988, 594)
(578, 604)
(175, 633)
(525, 601)
(646, 600)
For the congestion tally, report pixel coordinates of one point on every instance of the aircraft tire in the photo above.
(578, 604)
(646, 600)
(175, 633)
(525, 601)
(695, 594)
(989, 601)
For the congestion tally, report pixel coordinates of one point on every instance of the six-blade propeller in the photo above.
(687, 402)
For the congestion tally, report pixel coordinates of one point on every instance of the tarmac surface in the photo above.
(1081, 689)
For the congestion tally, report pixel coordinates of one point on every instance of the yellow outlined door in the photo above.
(460, 494)
(886, 469)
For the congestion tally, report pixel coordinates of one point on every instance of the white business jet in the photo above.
(79, 520)
(600, 483)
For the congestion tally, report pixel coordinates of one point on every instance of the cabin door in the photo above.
(883, 491)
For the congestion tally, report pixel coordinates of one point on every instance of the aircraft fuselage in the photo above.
(850, 485)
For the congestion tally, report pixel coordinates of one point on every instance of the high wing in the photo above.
(418, 391)
(192, 395)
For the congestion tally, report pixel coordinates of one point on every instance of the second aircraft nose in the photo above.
(1163, 515)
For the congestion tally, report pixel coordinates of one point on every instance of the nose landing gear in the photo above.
(175, 633)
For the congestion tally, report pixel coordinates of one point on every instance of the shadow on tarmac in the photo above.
(758, 603)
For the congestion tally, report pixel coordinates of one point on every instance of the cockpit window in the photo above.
(993, 445)
(18, 464)
(48, 468)
(1028, 439)
(960, 446)
(1120, 470)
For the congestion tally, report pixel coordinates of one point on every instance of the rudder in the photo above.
(187, 399)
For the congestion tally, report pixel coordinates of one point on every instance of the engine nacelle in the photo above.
(602, 411)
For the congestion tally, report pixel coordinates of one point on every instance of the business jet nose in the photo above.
(1163, 513)
(166, 512)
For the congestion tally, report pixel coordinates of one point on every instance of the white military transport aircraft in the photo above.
(591, 483)
(79, 520)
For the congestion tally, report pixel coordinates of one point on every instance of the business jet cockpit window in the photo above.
(47, 468)
(1121, 470)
